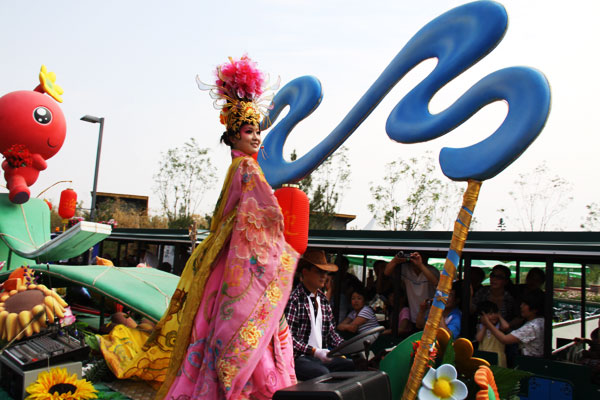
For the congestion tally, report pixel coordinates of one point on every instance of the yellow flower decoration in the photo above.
(251, 335)
(56, 384)
(47, 80)
(226, 372)
(441, 384)
(274, 294)
(287, 262)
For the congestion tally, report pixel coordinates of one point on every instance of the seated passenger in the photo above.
(362, 317)
(405, 327)
(499, 292)
(591, 357)
(487, 341)
(310, 318)
(530, 336)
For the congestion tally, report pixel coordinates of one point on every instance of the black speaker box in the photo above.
(359, 385)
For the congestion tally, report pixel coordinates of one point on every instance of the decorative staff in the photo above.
(458, 39)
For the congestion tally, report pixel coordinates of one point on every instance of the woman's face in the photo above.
(527, 312)
(358, 301)
(498, 278)
(248, 141)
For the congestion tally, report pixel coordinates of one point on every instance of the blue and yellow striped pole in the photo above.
(459, 237)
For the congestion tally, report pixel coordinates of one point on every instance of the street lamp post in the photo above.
(94, 120)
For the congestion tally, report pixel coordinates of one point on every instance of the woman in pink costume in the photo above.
(224, 335)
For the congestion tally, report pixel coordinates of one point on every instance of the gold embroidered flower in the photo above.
(251, 168)
(233, 275)
(48, 82)
(274, 294)
(248, 183)
(287, 261)
(251, 335)
(226, 372)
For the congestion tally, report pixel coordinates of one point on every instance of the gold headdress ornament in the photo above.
(238, 93)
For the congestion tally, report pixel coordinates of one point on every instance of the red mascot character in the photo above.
(32, 129)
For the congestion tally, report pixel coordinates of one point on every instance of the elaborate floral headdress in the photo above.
(238, 93)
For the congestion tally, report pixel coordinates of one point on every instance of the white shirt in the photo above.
(531, 337)
(316, 324)
(418, 288)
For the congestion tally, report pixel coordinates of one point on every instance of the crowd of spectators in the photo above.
(508, 319)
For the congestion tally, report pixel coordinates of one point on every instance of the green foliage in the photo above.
(412, 197)
(449, 354)
(508, 381)
(325, 187)
(128, 216)
(105, 393)
(99, 372)
(185, 174)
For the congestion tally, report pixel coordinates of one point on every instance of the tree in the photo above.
(412, 198)
(127, 216)
(185, 174)
(539, 198)
(592, 219)
(325, 187)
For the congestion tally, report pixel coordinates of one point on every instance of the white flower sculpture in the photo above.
(441, 383)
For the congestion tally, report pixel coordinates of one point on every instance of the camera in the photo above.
(402, 256)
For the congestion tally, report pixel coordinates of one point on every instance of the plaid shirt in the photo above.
(297, 313)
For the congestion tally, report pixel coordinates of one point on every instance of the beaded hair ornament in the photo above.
(238, 93)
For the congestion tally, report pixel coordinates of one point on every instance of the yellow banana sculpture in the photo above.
(17, 321)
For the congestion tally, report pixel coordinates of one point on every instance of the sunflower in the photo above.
(56, 384)
(25, 310)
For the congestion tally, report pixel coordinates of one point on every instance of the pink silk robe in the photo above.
(240, 346)
(224, 335)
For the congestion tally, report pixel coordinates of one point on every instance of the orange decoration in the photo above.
(68, 204)
(22, 276)
(464, 361)
(295, 207)
(484, 377)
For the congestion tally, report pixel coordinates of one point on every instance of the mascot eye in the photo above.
(42, 115)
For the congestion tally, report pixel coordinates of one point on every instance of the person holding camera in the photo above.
(419, 279)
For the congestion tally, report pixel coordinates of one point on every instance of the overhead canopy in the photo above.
(566, 247)
(569, 247)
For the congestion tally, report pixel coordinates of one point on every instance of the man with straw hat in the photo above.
(311, 320)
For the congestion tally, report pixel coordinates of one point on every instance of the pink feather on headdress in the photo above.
(240, 78)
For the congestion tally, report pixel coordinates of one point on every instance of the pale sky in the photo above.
(134, 63)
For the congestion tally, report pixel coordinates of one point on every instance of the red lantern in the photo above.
(48, 203)
(68, 204)
(295, 208)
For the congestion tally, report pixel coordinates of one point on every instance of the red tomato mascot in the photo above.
(32, 129)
